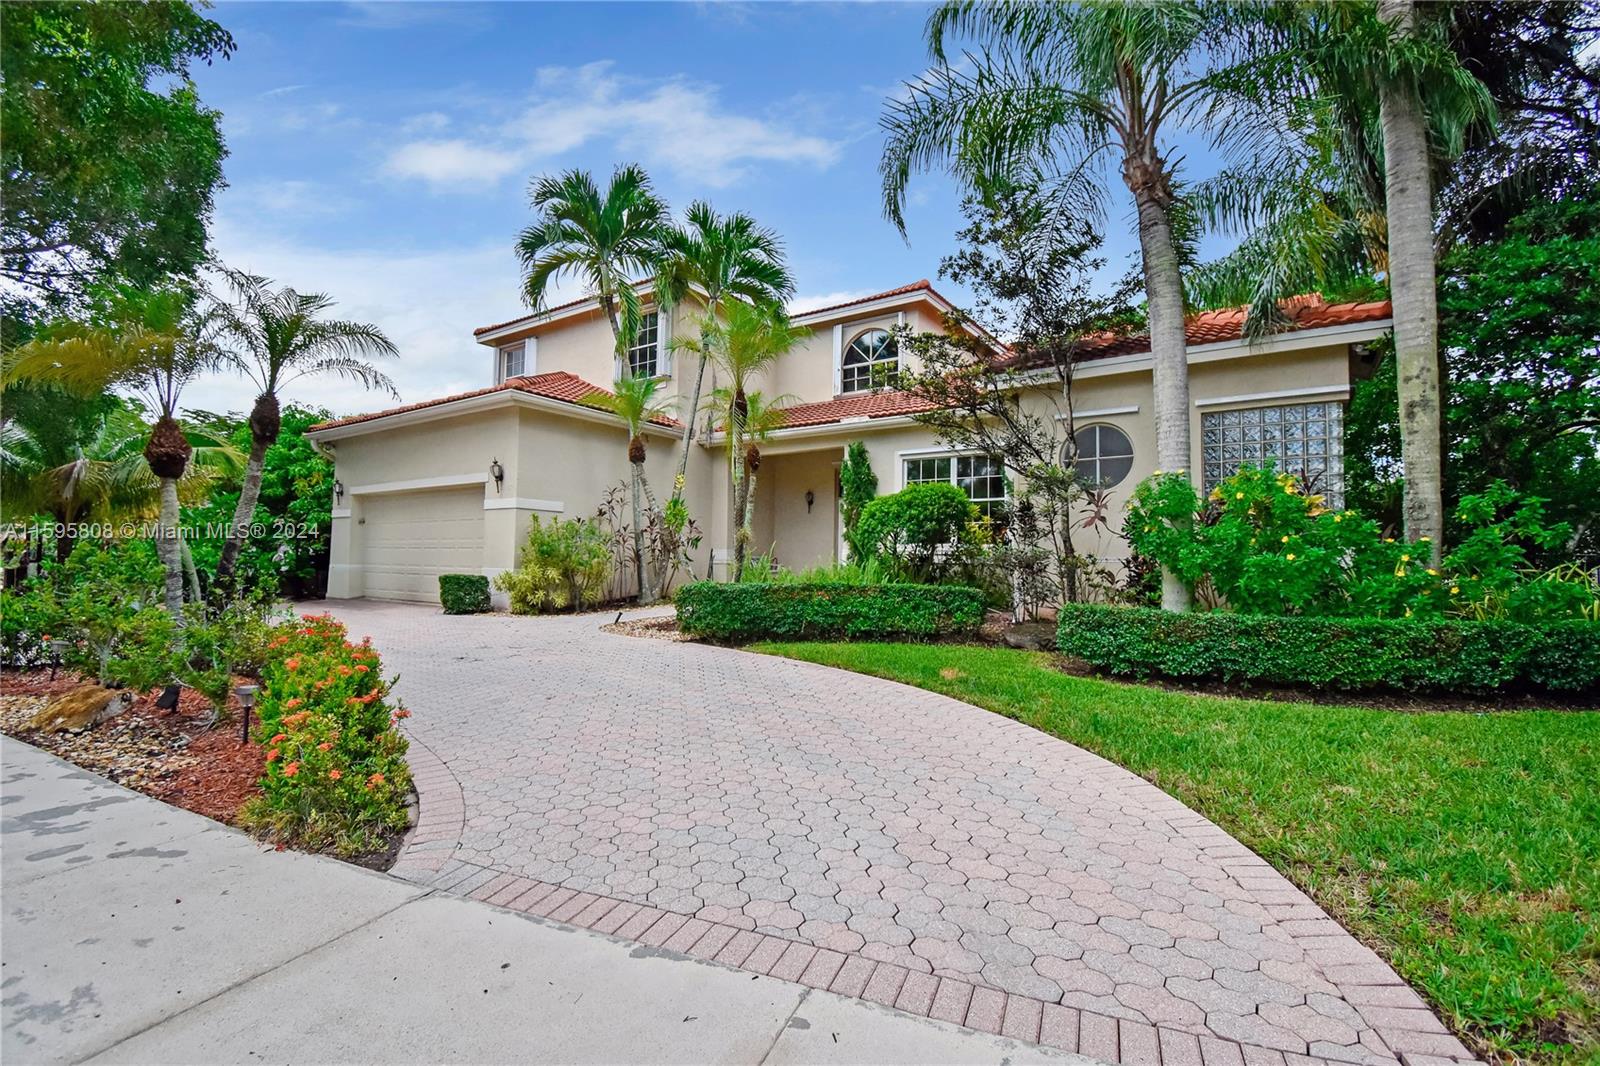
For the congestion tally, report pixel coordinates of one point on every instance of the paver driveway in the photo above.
(863, 834)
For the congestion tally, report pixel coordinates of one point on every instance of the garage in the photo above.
(409, 538)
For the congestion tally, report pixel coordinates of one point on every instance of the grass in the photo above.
(1465, 848)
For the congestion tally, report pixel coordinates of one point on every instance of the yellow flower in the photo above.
(1432, 572)
(1424, 539)
(1290, 557)
(1285, 540)
(1178, 472)
(1338, 518)
(1405, 558)
(1156, 474)
(1454, 589)
(1238, 495)
(1388, 540)
(1408, 612)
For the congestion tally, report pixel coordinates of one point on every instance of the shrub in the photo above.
(750, 611)
(858, 486)
(919, 530)
(336, 774)
(1404, 654)
(563, 563)
(1263, 544)
(463, 593)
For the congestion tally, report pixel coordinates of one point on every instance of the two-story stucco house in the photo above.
(449, 485)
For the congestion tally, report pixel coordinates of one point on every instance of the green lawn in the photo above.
(1463, 847)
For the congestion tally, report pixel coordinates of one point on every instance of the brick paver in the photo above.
(785, 816)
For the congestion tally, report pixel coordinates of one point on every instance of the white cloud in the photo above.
(674, 123)
(427, 122)
(803, 303)
(451, 162)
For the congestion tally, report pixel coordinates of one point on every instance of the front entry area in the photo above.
(406, 540)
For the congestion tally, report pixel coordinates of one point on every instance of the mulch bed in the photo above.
(171, 755)
(662, 628)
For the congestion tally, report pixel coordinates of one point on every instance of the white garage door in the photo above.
(410, 538)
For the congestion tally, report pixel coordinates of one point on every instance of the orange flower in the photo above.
(279, 739)
(401, 713)
(292, 704)
(354, 699)
(374, 781)
(292, 663)
(334, 775)
(344, 670)
(361, 669)
(324, 746)
(272, 756)
(47, 636)
(291, 769)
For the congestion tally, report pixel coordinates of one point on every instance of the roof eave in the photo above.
(474, 404)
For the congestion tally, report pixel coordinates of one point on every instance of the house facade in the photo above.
(450, 485)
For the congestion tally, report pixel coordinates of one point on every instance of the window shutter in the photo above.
(664, 343)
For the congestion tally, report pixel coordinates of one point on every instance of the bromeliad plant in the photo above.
(336, 775)
(1261, 543)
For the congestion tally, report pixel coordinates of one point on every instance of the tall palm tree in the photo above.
(1056, 90)
(761, 418)
(153, 345)
(636, 403)
(1355, 195)
(606, 241)
(748, 340)
(722, 255)
(275, 337)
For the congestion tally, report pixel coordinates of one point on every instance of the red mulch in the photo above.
(170, 755)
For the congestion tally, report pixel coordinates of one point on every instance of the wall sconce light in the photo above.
(338, 491)
(497, 472)
(811, 498)
(247, 700)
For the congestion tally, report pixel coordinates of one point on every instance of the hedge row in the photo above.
(463, 593)
(1348, 653)
(754, 611)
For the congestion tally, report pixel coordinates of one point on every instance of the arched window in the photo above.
(871, 361)
(1105, 456)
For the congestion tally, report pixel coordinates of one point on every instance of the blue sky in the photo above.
(381, 152)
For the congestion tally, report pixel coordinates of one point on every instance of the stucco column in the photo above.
(344, 566)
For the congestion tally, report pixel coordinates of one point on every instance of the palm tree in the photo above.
(275, 337)
(152, 344)
(635, 402)
(97, 474)
(722, 255)
(1355, 196)
(761, 417)
(605, 241)
(1057, 88)
(748, 340)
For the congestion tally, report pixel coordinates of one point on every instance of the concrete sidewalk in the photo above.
(136, 932)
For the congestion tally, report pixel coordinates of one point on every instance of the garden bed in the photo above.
(170, 755)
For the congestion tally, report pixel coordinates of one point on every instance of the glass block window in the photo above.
(644, 357)
(1105, 456)
(982, 478)
(871, 361)
(511, 361)
(1306, 439)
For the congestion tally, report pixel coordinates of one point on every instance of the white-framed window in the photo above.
(1304, 439)
(644, 355)
(981, 477)
(1105, 455)
(871, 361)
(513, 360)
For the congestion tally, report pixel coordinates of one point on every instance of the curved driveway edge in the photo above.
(876, 840)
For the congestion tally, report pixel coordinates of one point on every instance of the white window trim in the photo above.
(530, 348)
(1133, 451)
(1273, 399)
(663, 348)
(839, 348)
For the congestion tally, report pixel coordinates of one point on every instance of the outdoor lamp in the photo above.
(247, 700)
(811, 498)
(497, 472)
(57, 646)
(338, 490)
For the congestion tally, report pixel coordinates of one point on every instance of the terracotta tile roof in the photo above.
(920, 284)
(1213, 327)
(560, 385)
(868, 405)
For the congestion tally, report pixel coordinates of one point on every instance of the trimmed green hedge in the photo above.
(1409, 655)
(758, 611)
(463, 593)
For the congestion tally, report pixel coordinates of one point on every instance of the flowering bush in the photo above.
(336, 774)
(1261, 544)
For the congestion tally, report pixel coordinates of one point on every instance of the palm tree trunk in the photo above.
(688, 425)
(1163, 284)
(191, 575)
(648, 593)
(167, 546)
(1412, 282)
(244, 512)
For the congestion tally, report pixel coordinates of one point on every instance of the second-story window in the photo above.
(644, 355)
(511, 361)
(872, 361)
